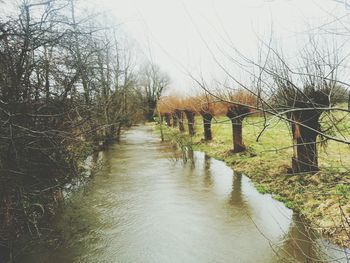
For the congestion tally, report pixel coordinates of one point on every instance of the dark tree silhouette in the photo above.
(237, 113)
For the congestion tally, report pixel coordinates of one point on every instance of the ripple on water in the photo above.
(145, 206)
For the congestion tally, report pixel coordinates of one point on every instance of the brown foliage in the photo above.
(202, 104)
(169, 104)
(240, 99)
(206, 103)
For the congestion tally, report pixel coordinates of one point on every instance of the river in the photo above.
(146, 205)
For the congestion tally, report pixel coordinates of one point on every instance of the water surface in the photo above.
(147, 206)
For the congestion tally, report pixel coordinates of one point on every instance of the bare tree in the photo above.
(205, 106)
(153, 83)
(64, 86)
(296, 91)
(303, 97)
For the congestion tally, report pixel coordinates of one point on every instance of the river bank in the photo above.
(323, 199)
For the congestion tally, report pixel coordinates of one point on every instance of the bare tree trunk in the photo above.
(167, 117)
(238, 145)
(180, 119)
(175, 120)
(237, 114)
(207, 117)
(190, 122)
(305, 157)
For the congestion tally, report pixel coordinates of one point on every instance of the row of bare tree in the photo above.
(303, 85)
(236, 107)
(303, 116)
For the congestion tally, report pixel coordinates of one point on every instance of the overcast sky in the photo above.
(180, 35)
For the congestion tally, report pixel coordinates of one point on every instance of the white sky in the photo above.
(175, 33)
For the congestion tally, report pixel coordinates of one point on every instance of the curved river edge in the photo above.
(146, 205)
(314, 197)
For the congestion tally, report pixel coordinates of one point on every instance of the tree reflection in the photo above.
(207, 172)
(302, 244)
(237, 199)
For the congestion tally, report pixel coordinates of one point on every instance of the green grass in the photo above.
(261, 189)
(315, 196)
(343, 190)
(274, 143)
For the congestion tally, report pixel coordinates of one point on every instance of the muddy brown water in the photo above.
(144, 205)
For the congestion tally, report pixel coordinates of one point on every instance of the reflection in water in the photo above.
(207, 172)
(302, 240)
(237, 198)
(144, 207)
(299, 244)
(302, 244)
(207, 162)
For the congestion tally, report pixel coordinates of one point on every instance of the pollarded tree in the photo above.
(172, 105)
(178, 114)
(302, 96)
(237, 109)
(165, 110)
(175, 104)
(304, 109)
(205, 106)
(298, 89)
(189, 109)
(180, 118)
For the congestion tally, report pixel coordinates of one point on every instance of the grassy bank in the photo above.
(322, 198)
